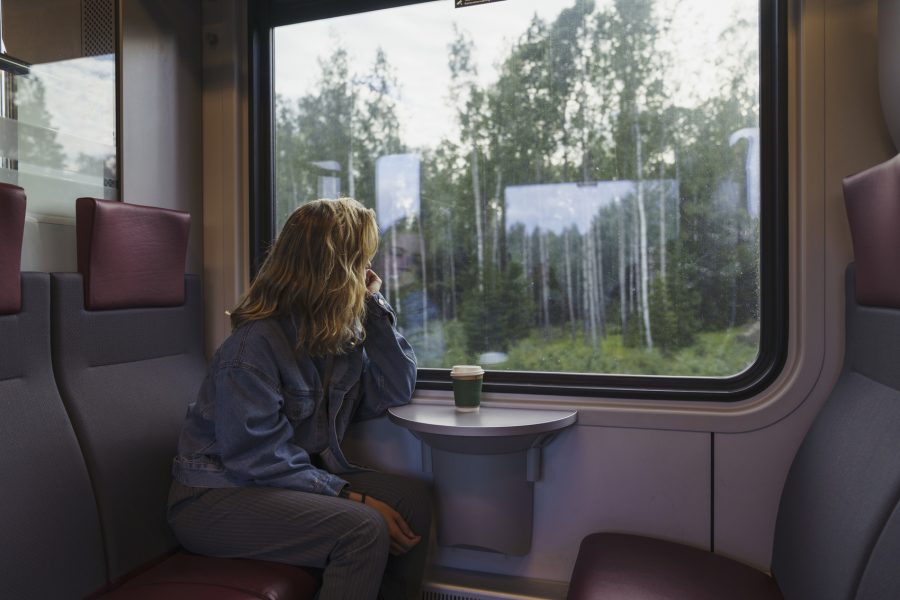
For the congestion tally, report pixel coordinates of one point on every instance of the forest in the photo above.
(593, 213)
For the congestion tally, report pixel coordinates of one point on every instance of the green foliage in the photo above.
(495, 318)
(633, 337)
(663, 319)
(714, 354)
(456, 348)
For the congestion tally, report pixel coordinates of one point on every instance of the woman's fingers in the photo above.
(402, 537)
(402, 547)
(373, 281)
(405, 528)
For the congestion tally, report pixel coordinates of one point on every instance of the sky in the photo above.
(416, 40)
(424, 76)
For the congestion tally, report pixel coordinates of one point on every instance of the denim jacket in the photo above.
(262, 418)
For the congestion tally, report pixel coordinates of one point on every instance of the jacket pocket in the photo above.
(298, 406)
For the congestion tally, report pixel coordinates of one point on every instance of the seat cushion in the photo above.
(631, 567)
(192, 577)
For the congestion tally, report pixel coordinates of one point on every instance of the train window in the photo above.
(583, 197)
(58, 103)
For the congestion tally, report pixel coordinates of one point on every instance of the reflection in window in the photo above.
(58, 119)
(560, 186)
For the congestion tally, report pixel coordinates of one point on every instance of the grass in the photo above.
(713, 354)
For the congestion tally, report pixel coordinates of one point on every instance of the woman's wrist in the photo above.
(347, 494)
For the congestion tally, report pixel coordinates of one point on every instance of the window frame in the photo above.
(265, 15)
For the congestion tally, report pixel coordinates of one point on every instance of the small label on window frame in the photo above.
(466, 3)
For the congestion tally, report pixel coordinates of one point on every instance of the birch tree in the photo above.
(597, 238)
(570, 301)
(642, 224)
(590, 256)
(663, 242)
(479, 233)
(623, 307)
(464, 93)
(544, 253)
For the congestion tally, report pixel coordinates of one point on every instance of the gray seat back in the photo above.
(51, 544)
(844, 483)
(127, 376)
(838, 530)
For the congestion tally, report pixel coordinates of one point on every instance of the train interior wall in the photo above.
(707, 476)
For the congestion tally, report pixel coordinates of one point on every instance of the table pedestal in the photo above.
(485, 502)
(484, 465)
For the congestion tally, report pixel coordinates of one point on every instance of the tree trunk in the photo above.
(545, 280)
(394, 276)
(590, 274)
(452, 267)
(424, 285)
(479, 233)
(738, 242)
(526, 246)
(440, 284)
(526, 263)
(569, 298)
(497, 215)
(662, 226)
(585, 298)
(585, 151)
(495, 246)
(634, 288)
(623, 308)
(642, 219)
(677, 198)
(601, 293)
(351, 184)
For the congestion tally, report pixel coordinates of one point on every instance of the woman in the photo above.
(259, 471)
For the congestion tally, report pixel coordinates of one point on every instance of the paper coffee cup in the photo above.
(467, 381)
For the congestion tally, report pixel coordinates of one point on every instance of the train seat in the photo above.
(837, 534)
(128, 358)
(190, 577)
(632, 567)
(51, 534)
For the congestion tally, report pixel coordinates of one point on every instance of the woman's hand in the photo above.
(402, 537)
(373, 282)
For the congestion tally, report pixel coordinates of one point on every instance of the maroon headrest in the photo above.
(130, 256)
(872, 199)
(12, 226)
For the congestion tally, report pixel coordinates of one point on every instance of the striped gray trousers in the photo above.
(347, 539)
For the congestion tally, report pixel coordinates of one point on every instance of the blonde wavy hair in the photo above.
(316, 273)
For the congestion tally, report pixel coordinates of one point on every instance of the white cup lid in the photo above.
(463, 370)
